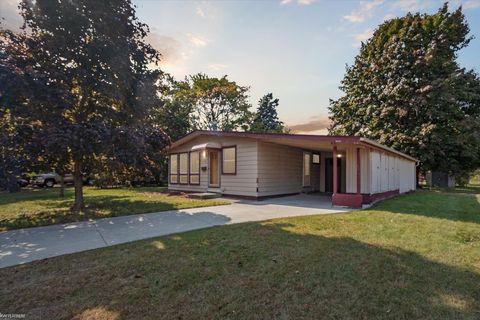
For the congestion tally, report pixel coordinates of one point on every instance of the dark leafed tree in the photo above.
(216, 103)
(174, 112)
(407, 90)
(89, 80)
(266, 117)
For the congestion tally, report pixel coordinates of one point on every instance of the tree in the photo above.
(174, 113)
(266, 118)
(87, 69)
(406, 90)
(216, 103)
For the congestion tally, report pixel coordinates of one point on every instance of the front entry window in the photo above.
(214, 168)
(306, 169)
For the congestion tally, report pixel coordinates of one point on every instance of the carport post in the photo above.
(359, 181)
(334, 169)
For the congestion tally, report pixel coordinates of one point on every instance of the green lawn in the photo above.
(416, 256)
(40, 207)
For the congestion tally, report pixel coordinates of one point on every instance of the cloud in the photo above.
(196, 40)
(354, 18)
(167, 46)
(362, 37)
(388, 16)
(200, 12)
(363, 11)
(410, 5)
(217, 66)
(299, 2)
(10, 15)
(471, 4)
(317, 124)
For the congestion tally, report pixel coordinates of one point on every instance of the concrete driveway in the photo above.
(25, 245)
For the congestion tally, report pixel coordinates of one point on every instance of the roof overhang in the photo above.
(303, 141)
(208, 145)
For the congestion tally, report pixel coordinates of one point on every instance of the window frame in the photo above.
(188, 168)
(190, 174)
(236, 158)
(170, 174)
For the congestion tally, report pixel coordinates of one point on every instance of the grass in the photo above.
(39, 207)
(471, 188)
(416, 256)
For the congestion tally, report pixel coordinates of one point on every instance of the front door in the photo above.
(214, 169)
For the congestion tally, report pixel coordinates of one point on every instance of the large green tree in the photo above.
(174, 112)
(266, 117)
(214, 103)
(88, 81)
(407, 90)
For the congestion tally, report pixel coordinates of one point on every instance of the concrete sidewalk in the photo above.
(25, 245)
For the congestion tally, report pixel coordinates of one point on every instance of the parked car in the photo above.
(50, 179)
(22, 183)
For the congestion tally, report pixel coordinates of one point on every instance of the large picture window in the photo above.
(229, 160)
(183, 165)
(195, 167)
(174, 168)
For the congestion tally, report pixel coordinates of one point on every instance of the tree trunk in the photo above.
(62, 186)
(417, 178)
(12, 184)
(79, 204)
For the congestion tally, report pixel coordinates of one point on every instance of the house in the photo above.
(353, 170)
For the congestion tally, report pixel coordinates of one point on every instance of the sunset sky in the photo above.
(296, 49)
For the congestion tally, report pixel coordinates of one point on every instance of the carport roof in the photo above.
(306, 141)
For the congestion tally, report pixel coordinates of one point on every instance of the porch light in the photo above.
(204, 154)
(339, 155)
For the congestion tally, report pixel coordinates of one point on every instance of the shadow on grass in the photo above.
(455, 207)
(242, 271)
(42, 194)
(56, 211)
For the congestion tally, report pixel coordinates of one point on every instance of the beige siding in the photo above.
(280, 169)
(351, 157)
(242, 183)
(389, 172)
(407, 178)
(245, 181)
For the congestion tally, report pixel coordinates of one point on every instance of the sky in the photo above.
(296, 49)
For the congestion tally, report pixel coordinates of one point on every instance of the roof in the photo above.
(284, 138)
